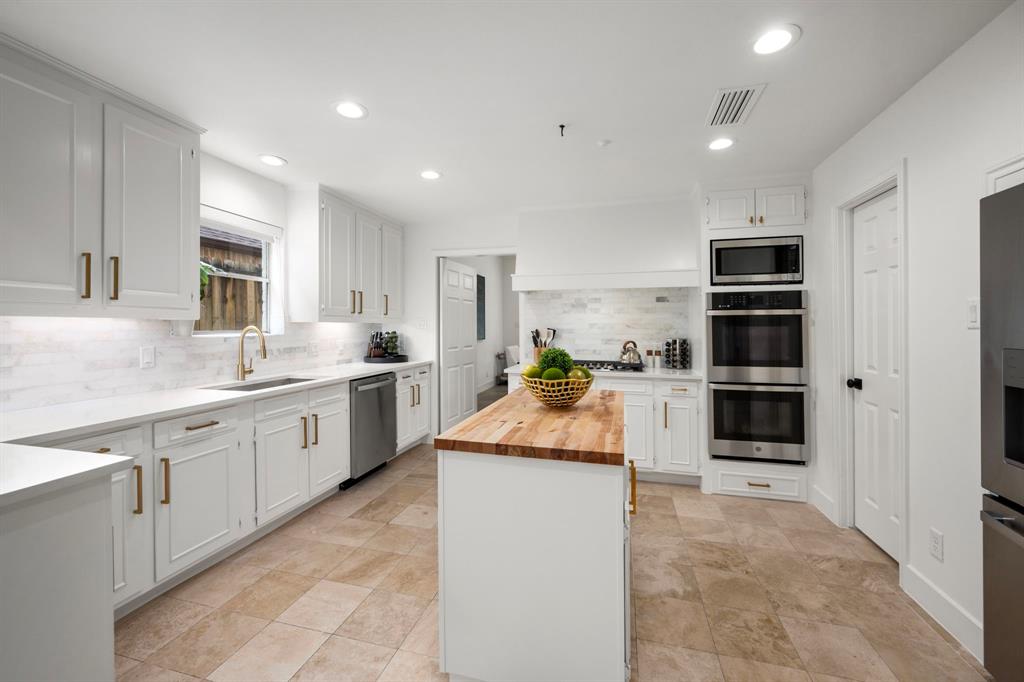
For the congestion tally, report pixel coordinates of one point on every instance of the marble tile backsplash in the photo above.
(593, 324)
(47, 361)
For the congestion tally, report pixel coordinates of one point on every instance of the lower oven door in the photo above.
(758, 422)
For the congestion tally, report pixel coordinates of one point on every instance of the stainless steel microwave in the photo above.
(758, 260)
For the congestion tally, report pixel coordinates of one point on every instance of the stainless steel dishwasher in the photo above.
(374, 432)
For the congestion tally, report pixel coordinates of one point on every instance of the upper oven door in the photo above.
(776, 260)
(757, 346)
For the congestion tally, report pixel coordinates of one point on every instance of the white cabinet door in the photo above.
(405, 404)
(730, 208)
(195, 508)
(391, 273)
(329, 450)
(778, 206)
(421, 413)
(639, 430)
(282, 462)
(337, 259)
(50, 190)
(150, 214)
(677, 444)
(368, 264)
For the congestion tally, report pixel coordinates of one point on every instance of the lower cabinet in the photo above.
(677, 442)
(638, 419)
(405, 403)
(421, 411)
(282, 461)
(412, 404)
(330, 448)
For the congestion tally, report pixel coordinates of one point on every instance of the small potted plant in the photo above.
(555, 380)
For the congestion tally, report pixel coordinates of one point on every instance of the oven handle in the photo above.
(734, 313)
(749, 387)
(999, 525)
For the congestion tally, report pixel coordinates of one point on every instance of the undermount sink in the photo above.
(259, 385)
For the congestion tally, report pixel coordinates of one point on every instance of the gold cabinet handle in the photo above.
(103, 451)
(316, 429)
(760, 220)
(412, 396)
(752, 484)
(416, 388)
(166, 463)
(680, 389)
(305, 432)
(115, 263)
(353, 292)
(385, 304)
(88, 274)
(666, 414)
(632, 488)
(204, 425)
(138, 489)
(360, 302)
(750, 220)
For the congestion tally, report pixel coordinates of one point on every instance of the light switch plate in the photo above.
(147, 357)
(974, 313)
(935, 543)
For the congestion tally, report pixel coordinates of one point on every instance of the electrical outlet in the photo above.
(935, 543)
(147, 357)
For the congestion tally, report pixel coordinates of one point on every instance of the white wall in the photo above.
(964, 117)
(497, 289)
(234, 189)
(509, 304)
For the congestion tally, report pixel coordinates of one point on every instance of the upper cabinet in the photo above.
(100, 200)
(762, 207)
(344, 263)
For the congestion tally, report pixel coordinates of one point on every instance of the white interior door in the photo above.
(458, 342)
(877, 309)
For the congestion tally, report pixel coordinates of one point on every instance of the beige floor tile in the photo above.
(864, 547)
(652, 488)
(657, 504)
(673, 622)
(428, 498)
(820, 542)
(426, 547)
(417, 516)
(275, 654)
(650, 523)
(856, 573)
(774, 566)
(660, 663)
(883, 615)
(726, 588)
(766, 537)
(406, 666)
(423, 639)
(723, 557)
(745, 510)
(315, 559)
(821, 677)
(399, 539)
(802, 516)
(402, 492)
(365, 567)
(384, 618)
(836, 650)
(697, 507)
(351, 532)
(345, 503)
(122, 664)
(270, 595)
(806, 601)
(345, 660)
(912, 660)
(753, 635)
(413, 575)
(325, 606)
(217, 584)
(208, 643)
(269, 551)
(692, 492)
(147, 672)
(708, 530)
(663, 571)
(145, 630)
(744, 670)
(379, 510)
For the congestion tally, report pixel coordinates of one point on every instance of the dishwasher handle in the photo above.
(377, 384)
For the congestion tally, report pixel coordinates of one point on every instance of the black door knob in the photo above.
(855, 383)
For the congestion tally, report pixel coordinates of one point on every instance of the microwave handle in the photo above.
(735, 313)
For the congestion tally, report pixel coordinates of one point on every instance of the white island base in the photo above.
(534, 569)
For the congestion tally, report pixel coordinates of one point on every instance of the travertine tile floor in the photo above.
(724, 588)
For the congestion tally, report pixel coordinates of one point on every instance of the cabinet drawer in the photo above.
(422, 372)
(405, 377)
(293, 403)
(761, 485)
(126, 443)
(194, 427)
(624, 385)
(679, 389)
(328, 394)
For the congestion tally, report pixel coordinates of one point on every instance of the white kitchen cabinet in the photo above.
(677, 445)
(421, 411)
(761, 207)
(369, 236)
(638, 419)
(282, 455)
(412, 400)
(330, 447)
(405, 403)
(337, 251)
(392, 268)
(195, 491)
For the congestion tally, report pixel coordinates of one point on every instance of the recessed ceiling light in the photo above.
(430, 175)
(272, 160)
(720, 143)
(351, 109)
(777, 38)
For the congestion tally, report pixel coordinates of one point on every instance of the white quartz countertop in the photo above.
(46, 424)
(27, 472)
(649, 373)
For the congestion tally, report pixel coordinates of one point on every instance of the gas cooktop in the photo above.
(610, 365)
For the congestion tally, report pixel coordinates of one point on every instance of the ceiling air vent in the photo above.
(732, 106)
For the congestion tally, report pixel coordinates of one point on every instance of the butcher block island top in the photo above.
(590, 431)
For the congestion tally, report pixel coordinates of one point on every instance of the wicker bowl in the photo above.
(558, 392)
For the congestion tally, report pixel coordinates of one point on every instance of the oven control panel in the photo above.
(757, 300)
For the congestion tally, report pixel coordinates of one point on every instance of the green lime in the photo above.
(532, 372)
(553, 374)
(577, 374)
(580, 368)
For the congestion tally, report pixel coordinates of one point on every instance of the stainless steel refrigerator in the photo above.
(1002, 430)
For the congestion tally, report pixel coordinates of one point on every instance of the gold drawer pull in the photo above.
(680, 389)
(353, 292)
(412, 396)
(138, 489)
(316, 429)
(115, 262)
(88, 274)
(167, 480)
(385, 304)
(632, 488)
(758, 485)
(305, 432)
(760, 219)
(750, 220)
(360, 303)
(103, 451)
(204, 425)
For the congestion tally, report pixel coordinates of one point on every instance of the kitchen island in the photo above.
(533, 542)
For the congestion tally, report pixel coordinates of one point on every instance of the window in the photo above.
(237, 288)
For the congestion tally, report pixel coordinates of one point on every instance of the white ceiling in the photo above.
(476, 90)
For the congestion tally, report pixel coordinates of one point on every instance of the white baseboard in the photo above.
(486, 385)
(825, 504)
(967, 629)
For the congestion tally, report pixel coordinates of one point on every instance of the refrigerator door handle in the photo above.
(999, 524)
